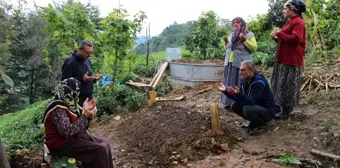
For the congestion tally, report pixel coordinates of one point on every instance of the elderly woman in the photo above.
(240, 45)
(287, 71)
(66, 126)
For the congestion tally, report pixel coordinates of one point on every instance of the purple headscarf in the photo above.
(235, 40)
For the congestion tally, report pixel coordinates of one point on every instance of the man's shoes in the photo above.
(258, 130)
(281, 115)
(245, 125)
(284, 113)
(226, 107)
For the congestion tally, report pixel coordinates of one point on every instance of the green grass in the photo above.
(23, 130)
(160, 56)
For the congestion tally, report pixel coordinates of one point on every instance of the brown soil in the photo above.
(177, 134)
(25, 159)
(196, 61)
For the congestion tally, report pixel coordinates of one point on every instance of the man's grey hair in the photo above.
(84, 43)
(250, 64)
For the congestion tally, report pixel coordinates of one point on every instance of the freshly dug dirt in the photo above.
(26, 159)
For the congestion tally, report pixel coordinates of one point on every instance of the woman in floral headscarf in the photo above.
(240, 45)
(291, 41)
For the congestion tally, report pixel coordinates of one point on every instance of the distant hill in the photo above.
(140, 40)
(172, 36)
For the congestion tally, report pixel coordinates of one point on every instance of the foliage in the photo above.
(287, 159)
(144, 71)
(164, 87)
(68, 25)
(265, 55)
(113, 98)
(63, 163)
(275, 14)
(32, 73)
(22, 130)
(261, 27)
(206, 41)
(119, 36)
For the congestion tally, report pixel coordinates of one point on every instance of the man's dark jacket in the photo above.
(257, 92)
(76, 66)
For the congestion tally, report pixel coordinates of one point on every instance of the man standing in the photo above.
(254, 101)
(79, 66)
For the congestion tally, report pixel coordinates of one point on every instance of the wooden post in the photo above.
(152, 97)
(147, 52)
(215, 119)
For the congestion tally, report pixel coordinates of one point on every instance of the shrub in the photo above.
(144, 71)
(113, 98)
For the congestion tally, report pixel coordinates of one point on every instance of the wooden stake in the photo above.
(327, 155)
(310, 83)
(152, 95)
(215, 119)
(174, 99)
(303, 86)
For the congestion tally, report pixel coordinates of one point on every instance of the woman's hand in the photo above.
(243, 37)
(274, 34)
(225, 39)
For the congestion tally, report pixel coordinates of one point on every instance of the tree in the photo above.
(275, 14)
(67, 24)
(206, 41)
(119, 36)
(32, 73)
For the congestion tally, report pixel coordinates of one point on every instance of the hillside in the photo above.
(172, 36)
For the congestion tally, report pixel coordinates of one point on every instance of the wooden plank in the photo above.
(327, 155)
(174, 99)
(156, 76)
(160, 76)
(137, 84)
(203, 90)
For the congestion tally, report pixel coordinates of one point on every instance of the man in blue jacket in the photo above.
(254, 101)
(79, 66)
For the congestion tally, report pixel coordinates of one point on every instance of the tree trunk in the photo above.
(115, 66)
(31, 92)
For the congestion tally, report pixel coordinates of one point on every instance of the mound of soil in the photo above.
(165, 136)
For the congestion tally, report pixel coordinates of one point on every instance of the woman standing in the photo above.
(287, 71)
(240, 45)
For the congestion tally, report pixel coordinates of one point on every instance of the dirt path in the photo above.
(176, 134)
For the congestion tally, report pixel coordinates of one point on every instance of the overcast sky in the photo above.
(162, 13)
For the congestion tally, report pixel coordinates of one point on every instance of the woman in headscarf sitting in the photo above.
(66, 126)
(287, 70)
(240, 45)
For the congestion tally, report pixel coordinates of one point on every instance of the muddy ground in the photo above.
(178, 134)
